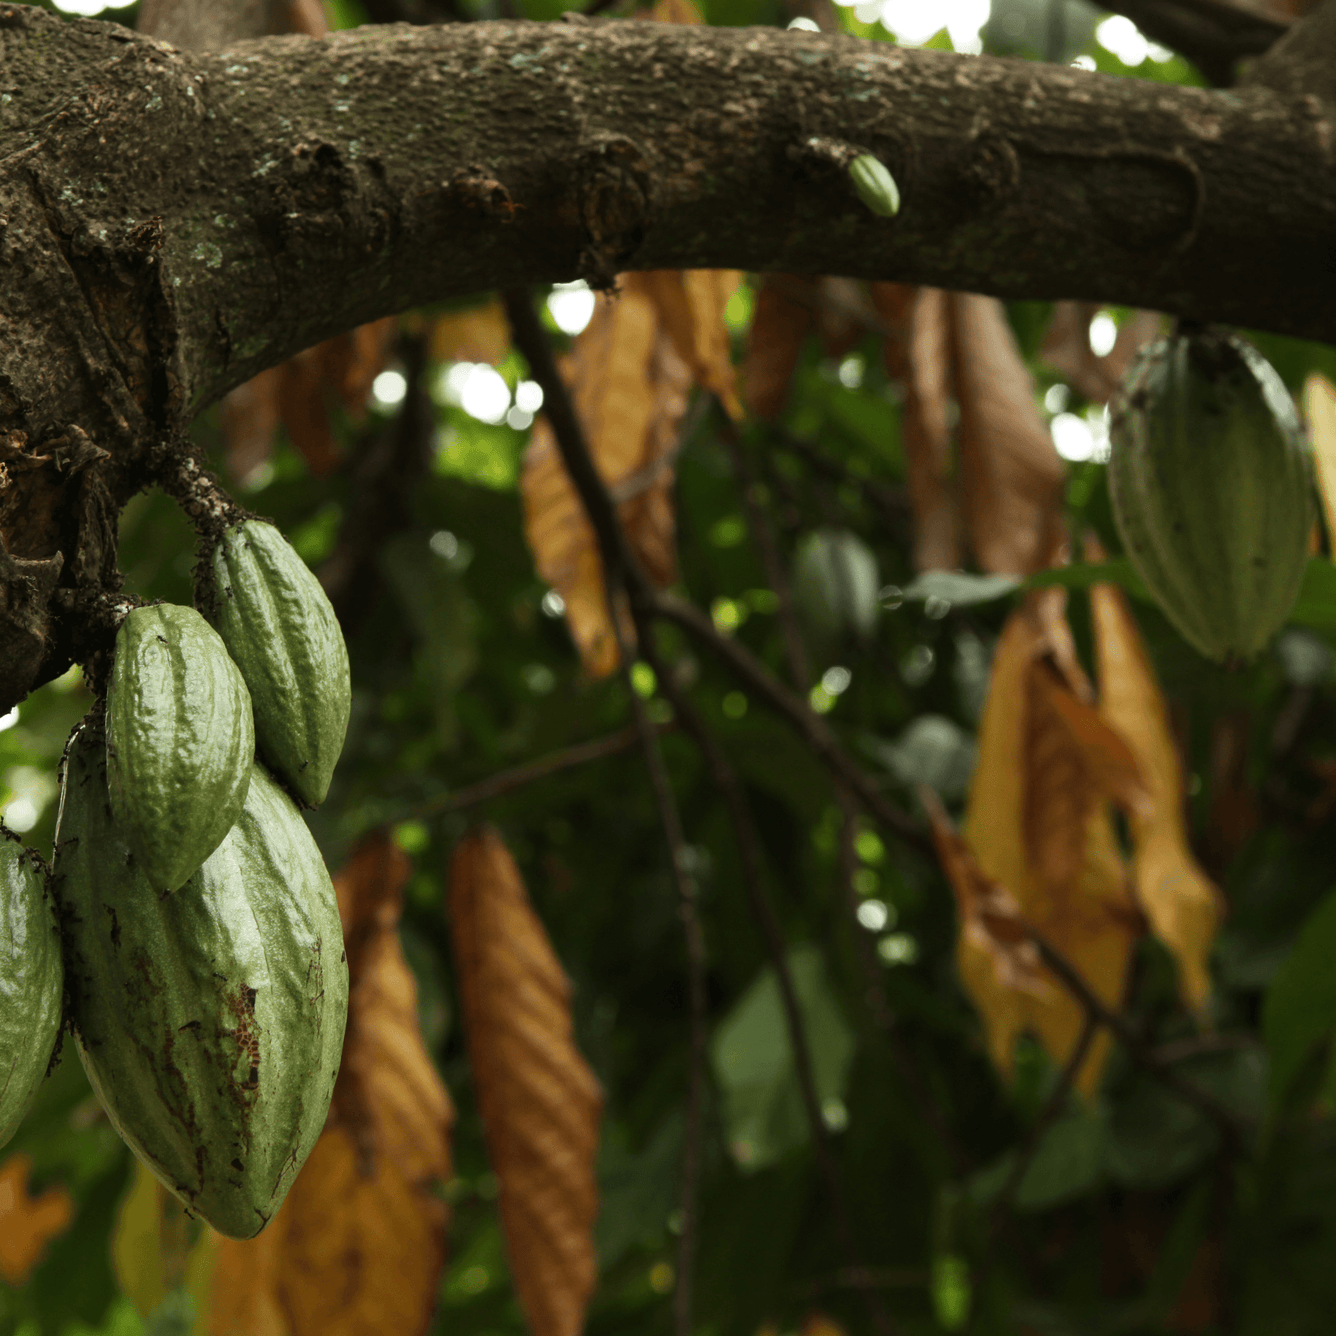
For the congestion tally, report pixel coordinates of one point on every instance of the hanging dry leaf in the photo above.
(1010, 473)
(359, 1244)
(301, 393)
(480, 334)
(300, 16)
(249, 418)
(1066, 347)
(27, 1223)
(1320, 410)
(780, 324)
(1179, 900)
(1037, 824)
(629, 387)
(540, 1103)
(998, 964)
(918, 356)
(691, 308)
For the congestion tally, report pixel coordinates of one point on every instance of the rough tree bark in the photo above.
(172, 223)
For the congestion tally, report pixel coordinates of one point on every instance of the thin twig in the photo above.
(795, 653)
(622, 576)
(748, 846)
(813, 729)
(1053, 1106)
(874, 993)
(767, 551)
(891, 503)
(506, 781)
(1226, 1123)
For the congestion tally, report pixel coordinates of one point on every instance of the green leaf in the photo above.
(959, 589)
(753, 1063)
(1300, 1007)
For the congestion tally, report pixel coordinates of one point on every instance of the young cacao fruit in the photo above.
(835, 587)
(280, 628)
(1211, 482)
(210, 1021)
(180, 741)
(32, 982)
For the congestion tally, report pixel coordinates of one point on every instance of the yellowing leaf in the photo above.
(1010, 472)
(1320, 410)
(918, 355)
(629, 387)
(27, 1224)
(480, 334)
(157, 1247)
(1180, 901)
(1038, 825)
(540, 1103)
(359, 1244)
(998, 968)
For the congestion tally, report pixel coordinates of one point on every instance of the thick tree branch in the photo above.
(172, 223)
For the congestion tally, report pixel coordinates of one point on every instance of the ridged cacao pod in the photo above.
(210, 1021)
(835, 586)
(180, 740)
(1211, 482)
(280, 628)
(31, 985)
(875, 185)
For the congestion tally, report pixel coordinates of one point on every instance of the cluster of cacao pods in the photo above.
(199, 949)
(1211, 480)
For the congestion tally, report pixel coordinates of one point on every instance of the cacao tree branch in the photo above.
(187, 219)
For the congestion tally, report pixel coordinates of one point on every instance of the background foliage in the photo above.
(1130, 1215)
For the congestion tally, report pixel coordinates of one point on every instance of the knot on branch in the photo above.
(615, 194)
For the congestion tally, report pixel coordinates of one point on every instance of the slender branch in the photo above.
(812, 728)
(1053, 1106)
(1226, 1123)
(622, 577)
(507, 781)
(795, 650)
(1212, 34)
(748, 845)
(767, 550)
(890, 503)
(874, 993)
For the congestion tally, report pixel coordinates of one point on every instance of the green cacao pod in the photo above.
(180, 741)
(280, 628)
(32, 984)
(835, 586)
(210, 1021)
(875, 185)
(1211, 482)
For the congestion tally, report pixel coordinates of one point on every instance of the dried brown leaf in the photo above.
(675, 11)
(300, 16)
(540, 1103)
(27, 1223)
(359, 1244)
(249, 419)
(1010, 473)
(918, 355)
(629, 387)
(691, 308)
(780, 324)
(480, 334)
(1066, 347)
(1180, 901)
